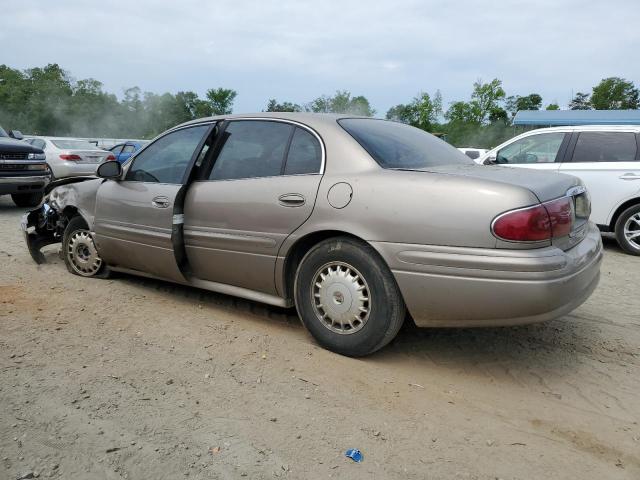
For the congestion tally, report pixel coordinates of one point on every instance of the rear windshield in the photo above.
(396, 145)
(74, 145)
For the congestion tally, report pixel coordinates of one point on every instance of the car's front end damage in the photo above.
(63, 199)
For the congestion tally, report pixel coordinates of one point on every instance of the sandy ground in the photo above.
(139, 379)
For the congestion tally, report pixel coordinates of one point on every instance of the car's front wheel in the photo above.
(80, 254)
(347, 297)
(26, 199)
(628, 230)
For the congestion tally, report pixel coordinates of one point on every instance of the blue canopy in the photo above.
(577, 117)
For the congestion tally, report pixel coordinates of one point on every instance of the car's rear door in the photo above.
(260, 187)
(137, 218)
(608, 163)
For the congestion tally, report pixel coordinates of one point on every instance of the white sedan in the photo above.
(70, 157)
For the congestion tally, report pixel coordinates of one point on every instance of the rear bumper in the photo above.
(64, 169)
(463, 287)
(24, 184)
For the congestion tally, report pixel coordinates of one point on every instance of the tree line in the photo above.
(49, 101)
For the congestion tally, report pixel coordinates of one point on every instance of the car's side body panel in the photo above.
(234, 228)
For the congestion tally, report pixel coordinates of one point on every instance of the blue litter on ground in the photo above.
(354, 454)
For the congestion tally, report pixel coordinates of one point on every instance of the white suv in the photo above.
(606, 158)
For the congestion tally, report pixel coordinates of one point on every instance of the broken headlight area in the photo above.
(42, 226)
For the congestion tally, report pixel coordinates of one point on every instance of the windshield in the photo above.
(396, 145)
(3, 133)
(74, 145)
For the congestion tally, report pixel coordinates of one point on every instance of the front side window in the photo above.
(605, 147)
(129, 149)
(396, 145)
(541, 148)
(167, 159)
(305, 154)
(251, 149)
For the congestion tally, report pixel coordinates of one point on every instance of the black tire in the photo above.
(78, 237)
(385, 306)
(625, 219)
(27, 199)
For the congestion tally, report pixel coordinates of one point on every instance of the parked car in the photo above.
(123, 151)
(23, 170)
(606, 158)
(348, 219)
(473, 153)
(70, 157)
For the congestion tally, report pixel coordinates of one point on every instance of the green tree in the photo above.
(221, 100)
(580, 102)
(341, 102)
(615, 93)
(274, 106)
(486, 98)
(423, 111)
(553, 106)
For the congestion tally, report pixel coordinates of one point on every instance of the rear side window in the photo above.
(305, 155)
(39, 143)
(252, 149)
(473, 154)
(117, 149)
(396, 145)
(605, 147)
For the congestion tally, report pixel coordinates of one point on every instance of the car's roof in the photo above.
(587, 128)
(306, 118)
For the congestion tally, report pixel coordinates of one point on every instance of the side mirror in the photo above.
(17, 134)
(490, 161)
(111, 170)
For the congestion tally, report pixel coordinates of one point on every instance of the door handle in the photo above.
(160, 202)
(291, 200)
(629, 176)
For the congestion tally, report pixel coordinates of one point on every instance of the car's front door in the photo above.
(136, 218)
(541, 151)
(261, 187)
(609, 165)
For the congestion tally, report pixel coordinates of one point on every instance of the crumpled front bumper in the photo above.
(38, 227)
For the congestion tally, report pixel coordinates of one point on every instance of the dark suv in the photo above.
(23, 170)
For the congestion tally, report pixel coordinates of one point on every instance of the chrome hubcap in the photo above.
(82, 254)
(632, 230)
(341, 298)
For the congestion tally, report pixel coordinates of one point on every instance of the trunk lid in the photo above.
(545, 185)
(89, 156)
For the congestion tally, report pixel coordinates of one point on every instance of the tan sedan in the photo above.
(352, 220)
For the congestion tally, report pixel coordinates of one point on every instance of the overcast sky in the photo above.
(296, 50)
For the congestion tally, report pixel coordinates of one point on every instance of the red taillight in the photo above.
(71, 157)
(109, 158)
(561, 216)
(541, 222)
(525, 225)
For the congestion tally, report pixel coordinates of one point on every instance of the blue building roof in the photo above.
(577, 117)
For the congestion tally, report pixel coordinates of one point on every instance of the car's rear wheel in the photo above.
(80, 254)
(347, 297)
(26, 199)
(628, 230)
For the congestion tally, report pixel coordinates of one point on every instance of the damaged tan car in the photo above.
(355, 221)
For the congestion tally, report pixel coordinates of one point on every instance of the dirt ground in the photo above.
(140, 379)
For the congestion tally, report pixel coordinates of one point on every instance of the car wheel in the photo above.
(628, 230)
(79, 252)
(27, 199)
(347, 297)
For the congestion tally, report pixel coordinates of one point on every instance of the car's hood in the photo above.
(545, 185)
(10, 145)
